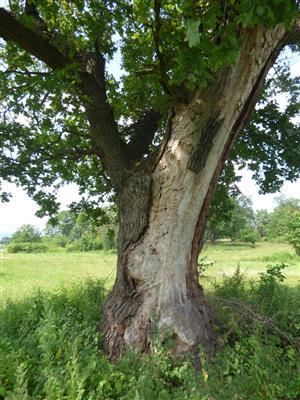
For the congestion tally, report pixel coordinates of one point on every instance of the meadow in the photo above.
(51, 350)
(22, 273)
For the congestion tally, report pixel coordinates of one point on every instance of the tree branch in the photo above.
(26, 72)
(93, 85)
(37, 45)
(143, 134)
(158, 45)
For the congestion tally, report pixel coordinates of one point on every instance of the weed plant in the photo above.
(50, 348)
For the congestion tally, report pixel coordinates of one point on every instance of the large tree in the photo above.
(156, 140)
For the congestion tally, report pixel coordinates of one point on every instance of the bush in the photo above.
(26, 247)
(86, 243)
(75, 245)
(90, 242)
(248, 235)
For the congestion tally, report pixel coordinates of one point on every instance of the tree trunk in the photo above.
(164, 210)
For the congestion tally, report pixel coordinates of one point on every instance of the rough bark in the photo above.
(163, 213)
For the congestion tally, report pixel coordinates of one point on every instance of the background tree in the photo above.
(26, 234)
(261, 220)
(293, 231)
(242, 218)
(79, 233)
(156, 141)
(63, 224)
(26, 239)
(234, 221)
(280, 219)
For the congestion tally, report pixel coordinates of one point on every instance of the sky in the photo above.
(21, 209)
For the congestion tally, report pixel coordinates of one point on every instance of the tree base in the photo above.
(138, 319)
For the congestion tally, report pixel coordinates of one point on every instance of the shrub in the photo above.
(18, 247)
(75, 245)
(86, 243)
(90, 242)
(248, 235)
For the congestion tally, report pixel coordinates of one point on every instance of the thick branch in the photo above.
(100, 114)
(37, 45)
(158, 46)
(102, 122)
(239, 125)
(25, 72)
(143, 134)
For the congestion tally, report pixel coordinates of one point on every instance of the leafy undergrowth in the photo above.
(49, 348)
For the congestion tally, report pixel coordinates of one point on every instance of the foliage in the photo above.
(284, 222)
(26, 239)
(293, 234)
(4, 241)
(269, 145)
(50, 348)
(26, 234)
(261, 220)
(85, 243)
(281, 217)
(62, 225)
(46, 140)
(248, 235)
(234, 219)
(79, 233)
(110, 239)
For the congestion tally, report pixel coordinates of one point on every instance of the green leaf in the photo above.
(193, 36)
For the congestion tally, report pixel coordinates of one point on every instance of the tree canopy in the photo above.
(168, 50)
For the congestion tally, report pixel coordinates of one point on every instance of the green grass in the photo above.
(50, 347)
(22, 273)
(227, 257)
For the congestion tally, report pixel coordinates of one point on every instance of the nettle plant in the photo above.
(155, 141)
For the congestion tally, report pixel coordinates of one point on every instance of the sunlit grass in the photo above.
(22, 273)
(251, 260)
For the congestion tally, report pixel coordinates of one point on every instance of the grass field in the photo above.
(21, 274)
(51, 349)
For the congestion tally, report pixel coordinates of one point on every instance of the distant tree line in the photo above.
(68, 231)
(232, 218)
(235, 219)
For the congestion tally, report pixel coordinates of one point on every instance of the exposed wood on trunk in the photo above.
(157, 272)
(236, 130)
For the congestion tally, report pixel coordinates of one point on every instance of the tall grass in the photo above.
(50, 348)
